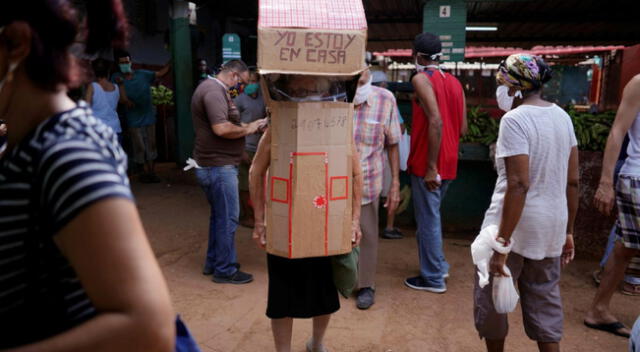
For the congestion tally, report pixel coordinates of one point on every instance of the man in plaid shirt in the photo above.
(375, 128)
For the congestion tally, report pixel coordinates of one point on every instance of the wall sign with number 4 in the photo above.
(445, 11)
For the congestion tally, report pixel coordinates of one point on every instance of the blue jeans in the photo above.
(433, 265)
(220, 185)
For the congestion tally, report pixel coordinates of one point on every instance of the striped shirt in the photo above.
(70, 161)
(375, 125)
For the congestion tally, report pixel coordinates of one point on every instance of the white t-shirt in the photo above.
(631, 165)
(546, 135)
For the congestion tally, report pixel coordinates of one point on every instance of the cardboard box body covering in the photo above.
(309, 185)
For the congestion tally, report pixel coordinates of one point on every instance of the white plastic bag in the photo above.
(403, 150)
(505, 296)
(482, 249)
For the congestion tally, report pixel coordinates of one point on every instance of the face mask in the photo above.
(125, 68)
(251, 89)
(362, 93)
(505, 101)
(307, 99)
(419, 67)
(236, 89)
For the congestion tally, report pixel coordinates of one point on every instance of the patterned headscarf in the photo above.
(523, 72)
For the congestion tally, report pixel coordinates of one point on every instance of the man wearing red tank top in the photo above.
(439, 118)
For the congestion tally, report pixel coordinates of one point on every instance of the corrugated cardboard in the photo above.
(311, 51)
(310, 182)
(309, 187)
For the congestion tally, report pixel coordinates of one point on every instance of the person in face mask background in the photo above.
(251, 106)
(204, 72)
(376, 129)
(438, 121)
(140, 113)
(218, 149)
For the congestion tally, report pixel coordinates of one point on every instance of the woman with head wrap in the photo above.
(533, 207)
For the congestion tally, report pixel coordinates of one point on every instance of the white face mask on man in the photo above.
(363, 92)
(505, 101)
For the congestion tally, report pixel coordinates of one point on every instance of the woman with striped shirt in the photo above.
(76, 270)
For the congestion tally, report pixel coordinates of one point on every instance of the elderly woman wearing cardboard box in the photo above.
(298, 288)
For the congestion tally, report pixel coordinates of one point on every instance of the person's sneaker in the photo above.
(630, 289)
(207, 270)
(366, 298)
(446, 275)
(238, 278)
(393, 234)
(418, 283)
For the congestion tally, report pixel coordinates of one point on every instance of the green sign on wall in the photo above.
(230, 47)
(448, 19)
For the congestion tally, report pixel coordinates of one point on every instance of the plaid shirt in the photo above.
(375, 125)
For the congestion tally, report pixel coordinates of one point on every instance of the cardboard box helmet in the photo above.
(310, 54)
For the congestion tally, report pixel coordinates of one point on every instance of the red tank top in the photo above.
(449, 95)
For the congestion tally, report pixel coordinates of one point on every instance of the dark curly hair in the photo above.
(55, 27)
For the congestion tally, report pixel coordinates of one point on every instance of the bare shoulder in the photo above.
(633, 87)
(420, 79)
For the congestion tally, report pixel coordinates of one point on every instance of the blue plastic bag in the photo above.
(184, 340)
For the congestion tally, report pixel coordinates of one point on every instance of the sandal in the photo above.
(596, 277)
(612, 328)
(319, 349)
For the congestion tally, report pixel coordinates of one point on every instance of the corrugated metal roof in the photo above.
(482, 52)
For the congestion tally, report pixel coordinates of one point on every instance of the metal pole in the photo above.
(183, 78)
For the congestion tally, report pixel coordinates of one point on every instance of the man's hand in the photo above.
(260, 234)
(604, 198)
(356, 233)
(568, 251)
(393, 198)
(432, 179)
(497, 263)
(256, 125)
(3, 130)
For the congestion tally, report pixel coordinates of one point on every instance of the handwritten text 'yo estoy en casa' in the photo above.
(320, 47)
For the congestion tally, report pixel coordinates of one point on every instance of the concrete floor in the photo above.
(230, 318)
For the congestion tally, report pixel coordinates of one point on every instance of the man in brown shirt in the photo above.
(218, 151)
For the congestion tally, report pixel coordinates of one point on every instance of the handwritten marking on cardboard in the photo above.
(314, 47)
(317, 124)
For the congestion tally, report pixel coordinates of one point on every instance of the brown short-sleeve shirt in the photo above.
(211, 105)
